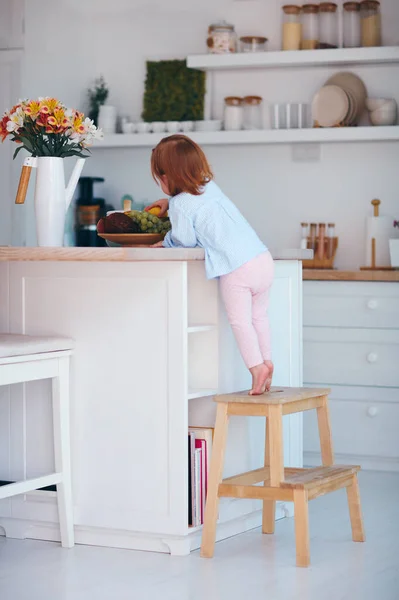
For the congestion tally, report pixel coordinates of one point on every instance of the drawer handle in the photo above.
(372, 411)
(372, 304)
(372, 357)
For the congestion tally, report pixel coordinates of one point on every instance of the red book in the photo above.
(201, 445)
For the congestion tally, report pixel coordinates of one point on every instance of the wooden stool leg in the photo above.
(323, 418)
(276, 445)
(215, 478)
(62, 451)
(301, 507)
(355, 510)
(269, 506)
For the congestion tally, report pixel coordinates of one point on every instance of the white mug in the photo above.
(158, 126)
(187, 126)
(172, 126)
(142, 127)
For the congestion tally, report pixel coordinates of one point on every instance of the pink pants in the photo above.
(245, 293)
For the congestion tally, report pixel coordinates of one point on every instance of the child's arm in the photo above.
(163, 204)
(182, 234)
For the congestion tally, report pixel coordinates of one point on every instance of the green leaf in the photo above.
(17, 151)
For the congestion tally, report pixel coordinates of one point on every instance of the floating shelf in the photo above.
(264, 136)
(201, 393)
(200, 328)
(301, 58)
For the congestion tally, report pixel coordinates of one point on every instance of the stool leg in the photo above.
(62, 452)
(301, 508)
(323, 418)
(276, 445)
(215, 478)
(355, 510)
(269, 506)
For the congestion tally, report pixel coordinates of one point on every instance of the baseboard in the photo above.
(368, 463)
(110, 538)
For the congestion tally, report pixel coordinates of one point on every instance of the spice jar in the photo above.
(312, 237)
(328, 25)
(310, 27)
(222, 38)
(330, 240)
(370, 16)
(233, 113)
(252, 116)
(292, 27)
(304, 236)
(352, 29)
(253, 43)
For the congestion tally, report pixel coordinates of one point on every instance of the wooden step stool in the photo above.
(290, 484)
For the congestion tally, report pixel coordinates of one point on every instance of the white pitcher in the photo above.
(52, 199)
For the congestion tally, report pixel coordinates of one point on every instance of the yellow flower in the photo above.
(78, 125)
(57, 122)
(32, 109)
(48, 105)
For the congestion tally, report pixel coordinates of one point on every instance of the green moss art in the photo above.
(173, 92)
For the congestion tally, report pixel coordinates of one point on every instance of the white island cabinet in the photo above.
(152, 346)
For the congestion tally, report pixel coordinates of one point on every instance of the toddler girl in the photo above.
(201, 215)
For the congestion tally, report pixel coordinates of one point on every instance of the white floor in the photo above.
(247, 567)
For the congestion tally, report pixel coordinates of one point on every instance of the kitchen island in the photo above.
(152, 347)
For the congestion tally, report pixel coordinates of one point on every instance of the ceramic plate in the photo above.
(131, 239)
(330, 106)
(354, 85)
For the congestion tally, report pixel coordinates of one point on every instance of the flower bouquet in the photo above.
(50, 132)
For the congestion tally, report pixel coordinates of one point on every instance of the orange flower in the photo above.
(48, 106)
(57, 123)
(3, 128)
(77, 124)
(32, 109)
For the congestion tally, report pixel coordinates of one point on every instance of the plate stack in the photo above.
(340, 102)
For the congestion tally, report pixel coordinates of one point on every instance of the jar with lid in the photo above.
(304, 236)
(292, 27)
(222, 38)
(328, 23)
(330, 240)
(233, 113)
(352, 29)
(310, 27)
(370, 17)
(253, 43)
(252, 116)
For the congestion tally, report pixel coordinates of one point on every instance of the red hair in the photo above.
(183, 163)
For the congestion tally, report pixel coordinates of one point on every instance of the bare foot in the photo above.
(270, 366)
(260, 373)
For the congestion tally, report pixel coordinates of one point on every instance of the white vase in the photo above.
(50, 201)
(107, 117)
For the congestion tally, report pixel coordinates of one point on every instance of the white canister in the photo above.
(107, 118)
(233, 113)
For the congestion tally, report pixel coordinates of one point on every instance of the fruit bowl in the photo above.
(131, 240)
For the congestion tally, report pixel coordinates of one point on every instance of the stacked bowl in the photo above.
(382, 111)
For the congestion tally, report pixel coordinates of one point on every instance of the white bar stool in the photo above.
(26, 358)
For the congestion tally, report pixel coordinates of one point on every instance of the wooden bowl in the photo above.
(130, 240)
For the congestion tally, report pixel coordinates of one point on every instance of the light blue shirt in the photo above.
(214, 223)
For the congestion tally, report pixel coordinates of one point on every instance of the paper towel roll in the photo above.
(380, 228)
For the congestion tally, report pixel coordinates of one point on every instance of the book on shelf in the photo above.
(200, 441)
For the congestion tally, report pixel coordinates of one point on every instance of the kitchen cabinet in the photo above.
(351, 343)
(152, 346)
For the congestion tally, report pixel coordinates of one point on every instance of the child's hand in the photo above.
(163, 204)
(158, 245)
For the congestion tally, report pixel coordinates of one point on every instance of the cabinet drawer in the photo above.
(360, 428)
(351, 304)
(351, 356)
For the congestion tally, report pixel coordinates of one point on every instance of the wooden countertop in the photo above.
(9, 253)
(335, 275)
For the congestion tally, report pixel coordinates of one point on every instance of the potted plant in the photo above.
(394, 248)
(49, 132)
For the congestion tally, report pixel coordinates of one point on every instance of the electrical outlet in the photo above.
(306, 152)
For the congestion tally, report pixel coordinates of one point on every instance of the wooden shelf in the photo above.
(200, 328)
(200, 393)
(335, 275)
(264, 136)
(302, 58)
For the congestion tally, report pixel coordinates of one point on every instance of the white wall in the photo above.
(68, 44)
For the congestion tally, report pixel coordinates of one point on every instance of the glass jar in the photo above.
(328, 22)
(253, 43)
(312, 237)
(252, 106)
(310, 27)
(330, 240)
(352, 29)
(370, 17)
(292, 27)
(222, 38)
(304, 236)
(233, 113)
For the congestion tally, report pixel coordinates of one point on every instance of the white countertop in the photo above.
(8, 253)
